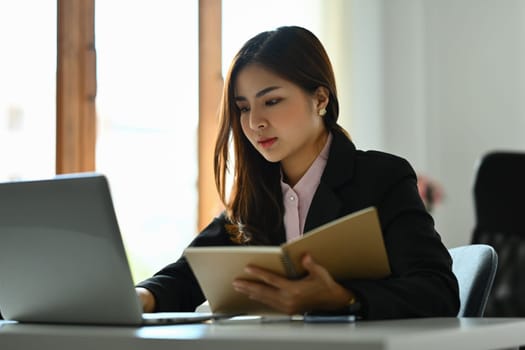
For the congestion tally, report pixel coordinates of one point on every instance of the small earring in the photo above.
(322, 112)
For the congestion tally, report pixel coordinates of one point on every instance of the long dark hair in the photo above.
(255, 207)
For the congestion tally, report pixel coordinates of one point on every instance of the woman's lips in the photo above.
(267, 143)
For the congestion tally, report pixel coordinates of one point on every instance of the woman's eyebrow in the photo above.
(258, 94)
(266, 90)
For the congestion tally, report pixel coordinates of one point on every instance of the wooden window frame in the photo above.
(210, 91)
(76, 86)
(76, 92)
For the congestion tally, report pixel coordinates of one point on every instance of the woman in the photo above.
(296, 169)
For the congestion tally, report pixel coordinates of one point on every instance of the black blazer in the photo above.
(422, 283)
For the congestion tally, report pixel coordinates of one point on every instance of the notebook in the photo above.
(350, 247)
(62, 259)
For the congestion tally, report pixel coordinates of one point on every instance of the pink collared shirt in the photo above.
(297, 200)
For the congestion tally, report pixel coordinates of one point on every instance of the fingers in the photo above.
(252, 289)
(267, 277)
(266, 290)
(278, 299)
(315, 291)
(273, 290)
(315, 270)
(260, 292)
(146, 298)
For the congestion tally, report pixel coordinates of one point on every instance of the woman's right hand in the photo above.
(146, 298)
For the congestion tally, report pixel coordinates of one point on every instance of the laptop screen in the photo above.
(61, 255)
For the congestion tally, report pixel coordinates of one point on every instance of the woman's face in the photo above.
(280, 119)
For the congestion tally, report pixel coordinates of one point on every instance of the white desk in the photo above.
(436, 333)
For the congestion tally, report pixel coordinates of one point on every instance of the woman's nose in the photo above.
(257, 121)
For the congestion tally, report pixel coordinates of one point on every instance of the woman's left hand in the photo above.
(316, 291)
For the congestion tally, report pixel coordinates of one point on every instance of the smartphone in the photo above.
(327, 318)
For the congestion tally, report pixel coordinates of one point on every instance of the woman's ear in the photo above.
(322, 97)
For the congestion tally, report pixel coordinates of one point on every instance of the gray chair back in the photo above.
(475, 268)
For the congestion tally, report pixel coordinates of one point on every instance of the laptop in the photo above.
(62, 259)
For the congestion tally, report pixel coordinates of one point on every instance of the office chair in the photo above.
(499, 200)
(475, 267)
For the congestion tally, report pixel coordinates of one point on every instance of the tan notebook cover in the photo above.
(349, 247)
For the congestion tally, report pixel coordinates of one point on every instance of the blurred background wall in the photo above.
(439, 82)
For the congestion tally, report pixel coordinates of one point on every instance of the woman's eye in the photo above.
(273, 101)
(243, 109)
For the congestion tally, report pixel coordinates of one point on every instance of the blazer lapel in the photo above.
(324, 208)
(326, 204)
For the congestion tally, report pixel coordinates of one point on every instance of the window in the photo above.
(147, 108)
(27, 89)
(245, 19)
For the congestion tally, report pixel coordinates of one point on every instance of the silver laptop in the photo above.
(62, 259)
